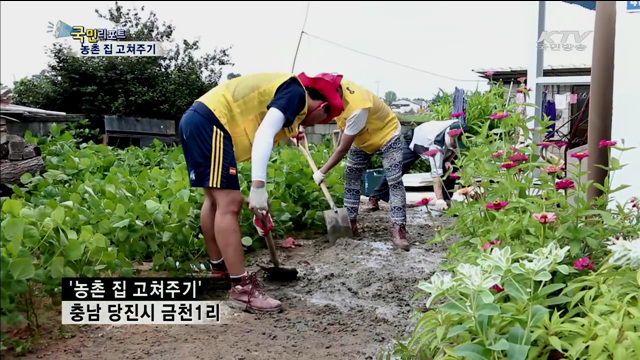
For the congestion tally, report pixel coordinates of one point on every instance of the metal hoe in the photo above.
(276, 272)
(336, 220)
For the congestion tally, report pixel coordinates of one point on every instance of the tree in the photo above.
(160, 87)
(232, 76)
(390, 97)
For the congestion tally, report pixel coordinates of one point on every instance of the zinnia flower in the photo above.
(498, 154)
(607, 143)
(454, 132)
(582, 264)
(518, 157)
(509, 165)
(487, 245)
(560, 144)
(545, 144)
(454, 176)
(497, 288)
(497, 205)
(565, 184)
(522, 78)
(552, 169)
(489, 73)
(424, 201)
(457, 114)
(580, 155)
(431, 152)
(545, 217)
(499, 116)
(464, 191)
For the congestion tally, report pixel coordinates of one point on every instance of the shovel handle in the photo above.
(305, 150)
(268, 238)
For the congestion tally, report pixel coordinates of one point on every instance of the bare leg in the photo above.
(227, 229)
(207, 223)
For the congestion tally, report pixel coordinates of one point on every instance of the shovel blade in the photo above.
(338, 225)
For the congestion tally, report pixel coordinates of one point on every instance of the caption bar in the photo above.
(142, 312)
(133, 289)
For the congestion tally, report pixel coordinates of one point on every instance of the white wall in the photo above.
(626, 107)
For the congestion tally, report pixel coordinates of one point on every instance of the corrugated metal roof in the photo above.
(17, 109)
(548, 67)
(589, 5)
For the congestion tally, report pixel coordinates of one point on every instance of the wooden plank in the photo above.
(139, 125)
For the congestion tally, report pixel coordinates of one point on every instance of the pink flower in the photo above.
(580, 155)
(454, 132)
(498, 154)
(522, 78)
(584, 263)
(544, 217)
(565, 184)
(499, 116)
(522, 90)
(545, 144)
(497, 205)
(487, 245)
(424, 201)
(552, 169)
(454, 176)
(489, 73)
(607, 143)
(431, 152)
(509, 165)
(514, 149)
(560, 144)
(464, 191)
(518, 157)
(497, 288)
(633, 199)
(457, 114)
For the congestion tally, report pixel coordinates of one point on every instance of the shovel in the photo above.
(276, 272)
(336, 220)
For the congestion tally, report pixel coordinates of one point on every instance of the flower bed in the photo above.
(538, 272)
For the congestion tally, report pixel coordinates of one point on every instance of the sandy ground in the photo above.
(350, 301)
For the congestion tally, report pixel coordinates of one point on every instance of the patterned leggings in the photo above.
(357, 162)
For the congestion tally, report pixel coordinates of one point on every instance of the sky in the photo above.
(417, 39)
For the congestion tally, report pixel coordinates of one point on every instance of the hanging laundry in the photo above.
(573, 99)
(550, 111)
(520, 100)
(561, 101)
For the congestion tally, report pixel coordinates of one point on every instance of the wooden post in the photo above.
(600, 109)
(337, 135)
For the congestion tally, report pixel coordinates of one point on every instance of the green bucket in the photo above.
(372, 179)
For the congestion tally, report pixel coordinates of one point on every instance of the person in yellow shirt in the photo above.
(238, 121)
(369, 127)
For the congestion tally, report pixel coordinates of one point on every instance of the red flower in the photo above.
(518, 157)
(487, 245)
(454, 132)
(424, 201)
(584, 263)
(607, 143)
(552, 169)
(514, 149)
(498, 154)
(457, 114)
(509, 165)
(560, 144)
(454, 176)
(497, 205)
(499, 116)
(497, 288)
(565, 184)
(431, 152)
(580, 155)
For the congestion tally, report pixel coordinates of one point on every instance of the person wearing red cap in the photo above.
(238, 121)
(368, 127)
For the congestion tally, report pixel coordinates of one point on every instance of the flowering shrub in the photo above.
(531, 275)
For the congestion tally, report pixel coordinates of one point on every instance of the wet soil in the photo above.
(351, 300)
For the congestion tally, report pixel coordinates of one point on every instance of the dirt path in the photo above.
(350, 301)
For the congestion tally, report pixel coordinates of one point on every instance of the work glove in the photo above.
(258, 224)
(258, 198)
(318, 177)
(441, 205)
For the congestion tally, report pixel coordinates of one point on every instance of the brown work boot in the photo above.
(249, 296)
(354, 226)
(371, 206)
(399, 237)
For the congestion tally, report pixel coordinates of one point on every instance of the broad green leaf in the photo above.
(542, 276)
(58, 216)
(11, 206)
(555, 342)
(513, 289)
(517, 351)
(57, 267)
(488, 309)
(456, 330)
(73, 251)
(550, 289)
(158, 259)
(538, 312)
(22, 268)
(121, 224)
(502, 344)
(31, 236)
(247, 241)
(152, 206)
(13, 230)
(471, 351)
(453, 308)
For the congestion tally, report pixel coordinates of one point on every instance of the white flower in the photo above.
(552, 252)
(498, 261)
(625, 253)
(436, 285)
(474, 277)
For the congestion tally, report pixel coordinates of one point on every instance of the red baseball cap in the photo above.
(327, 85)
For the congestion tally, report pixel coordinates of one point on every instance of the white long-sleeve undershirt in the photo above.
(263, 143)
